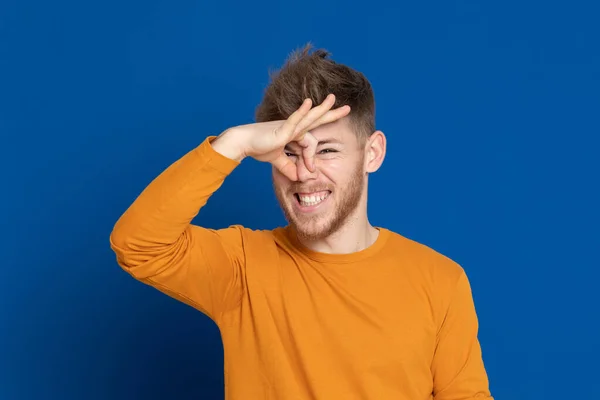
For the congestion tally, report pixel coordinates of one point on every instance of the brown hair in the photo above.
(314, 75)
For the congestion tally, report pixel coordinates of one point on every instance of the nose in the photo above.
(305, 174)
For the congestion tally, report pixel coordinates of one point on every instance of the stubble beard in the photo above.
(322, 225)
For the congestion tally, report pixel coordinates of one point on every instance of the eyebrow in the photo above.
(329, 140)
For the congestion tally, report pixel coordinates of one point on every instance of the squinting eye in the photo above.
(288, 154)
(324, 151)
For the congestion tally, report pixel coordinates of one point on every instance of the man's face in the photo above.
(320, 202)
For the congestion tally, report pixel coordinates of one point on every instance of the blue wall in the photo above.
(491, 112)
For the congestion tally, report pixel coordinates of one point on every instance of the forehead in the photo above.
(335, 132)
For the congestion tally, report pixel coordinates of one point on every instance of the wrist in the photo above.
(229, 145)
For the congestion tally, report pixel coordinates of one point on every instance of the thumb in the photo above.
(286, 166)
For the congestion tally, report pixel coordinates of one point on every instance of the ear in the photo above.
(374, 151)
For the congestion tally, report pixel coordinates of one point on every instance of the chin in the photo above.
(318, 211)
(311, 225)
(310, 216)
(312, 231)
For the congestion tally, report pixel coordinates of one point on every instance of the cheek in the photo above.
(328, 175)
(336, 172)
(279, 181)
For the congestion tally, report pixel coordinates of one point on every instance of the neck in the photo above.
(355, 235)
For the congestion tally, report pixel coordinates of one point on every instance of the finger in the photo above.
(286, 166)
(314, 114)
(309, 149)
(287, 129)
(330, 116)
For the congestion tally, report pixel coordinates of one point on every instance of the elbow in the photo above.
(120, 244)
(130, 254)
(142, 258)
(117, 239)
(121, 240)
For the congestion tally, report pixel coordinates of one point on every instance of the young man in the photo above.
(328, 307)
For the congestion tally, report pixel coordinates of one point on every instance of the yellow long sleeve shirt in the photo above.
(394, 321)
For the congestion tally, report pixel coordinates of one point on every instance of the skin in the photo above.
(316, 150)
(342, 162)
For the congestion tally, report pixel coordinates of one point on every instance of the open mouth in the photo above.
(311, 199)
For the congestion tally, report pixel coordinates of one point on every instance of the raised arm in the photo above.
(154, 239)
(156, 243)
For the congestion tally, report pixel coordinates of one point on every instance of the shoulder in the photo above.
(424, 262)
(235, 239)
(254, 242)
(437, 276)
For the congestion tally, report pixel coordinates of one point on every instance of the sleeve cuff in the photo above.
(215, 159)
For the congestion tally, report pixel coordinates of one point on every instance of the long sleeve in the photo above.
(458, 368)
(156, 243)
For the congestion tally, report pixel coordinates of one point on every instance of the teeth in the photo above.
(312, 200)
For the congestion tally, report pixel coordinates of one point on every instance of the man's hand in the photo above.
(265, 141)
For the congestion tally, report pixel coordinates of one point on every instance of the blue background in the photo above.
(491, 112)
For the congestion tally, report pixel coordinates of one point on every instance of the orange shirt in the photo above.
(394, 321)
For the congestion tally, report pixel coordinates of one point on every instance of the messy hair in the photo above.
(314, 75)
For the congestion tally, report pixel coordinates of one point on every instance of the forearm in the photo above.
(458, 368)
(230, 144)
(165, 209)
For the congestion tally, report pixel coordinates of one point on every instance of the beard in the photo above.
(325, 223)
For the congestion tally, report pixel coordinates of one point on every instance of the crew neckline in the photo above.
(289, 235)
